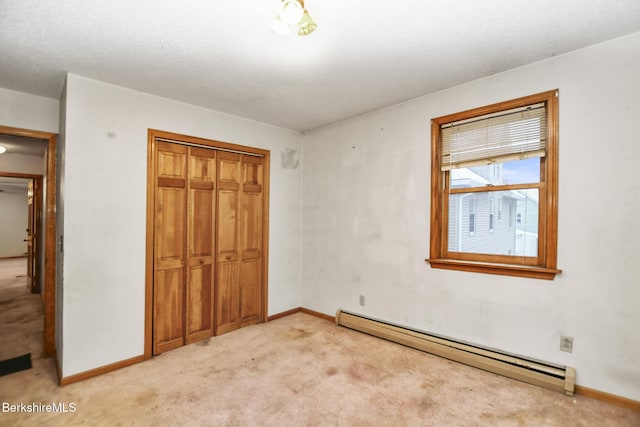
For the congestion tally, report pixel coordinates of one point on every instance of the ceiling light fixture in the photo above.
(2, 149)
(293, 17)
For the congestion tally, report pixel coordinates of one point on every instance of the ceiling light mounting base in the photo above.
(293, 18)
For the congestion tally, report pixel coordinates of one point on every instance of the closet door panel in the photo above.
(228, 244)
(199, 303)
(168, 310)
(169, 252)
(170, 233)
(227, 298)
(250, 292)
(251, 241)
(200, 243)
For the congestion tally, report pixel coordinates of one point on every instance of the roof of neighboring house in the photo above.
(464, 177)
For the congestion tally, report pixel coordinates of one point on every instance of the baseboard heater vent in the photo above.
(545, 375)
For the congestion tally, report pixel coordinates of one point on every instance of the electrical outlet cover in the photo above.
(566, 344)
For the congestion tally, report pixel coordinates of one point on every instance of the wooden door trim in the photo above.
(207, 142)
(50, 246)
(19, 175)
(151, 174)
(265, 237)
(148, 292)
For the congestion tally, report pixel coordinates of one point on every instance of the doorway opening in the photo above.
(22, 224)
(47, 259)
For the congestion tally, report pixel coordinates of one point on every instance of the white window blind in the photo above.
(514, 134)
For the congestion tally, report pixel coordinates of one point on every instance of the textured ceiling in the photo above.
(365, 55)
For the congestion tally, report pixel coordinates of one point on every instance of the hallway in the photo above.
(21, 316)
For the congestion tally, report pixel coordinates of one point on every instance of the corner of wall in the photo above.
(60, 179)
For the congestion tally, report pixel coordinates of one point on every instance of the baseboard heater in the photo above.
(550, 376)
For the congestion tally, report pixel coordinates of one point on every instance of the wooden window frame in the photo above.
(544, 265)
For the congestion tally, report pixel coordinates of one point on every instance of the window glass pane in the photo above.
(525, 171)
(473, 227)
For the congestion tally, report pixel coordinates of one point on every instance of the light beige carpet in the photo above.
(21, 318)
(299, 371)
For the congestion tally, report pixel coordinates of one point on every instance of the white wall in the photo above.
(105, 162)
(366, 222)
(20, 163)
(60, 199)
(13, 221)
(25, 111)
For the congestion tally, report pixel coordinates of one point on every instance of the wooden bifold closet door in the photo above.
(239, 256)
(207, 245)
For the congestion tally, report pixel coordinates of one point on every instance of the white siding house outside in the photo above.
(493, 222)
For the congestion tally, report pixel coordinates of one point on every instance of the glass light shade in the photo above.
(306, 26)
(291, 11)
(2, 149)
(280, 27)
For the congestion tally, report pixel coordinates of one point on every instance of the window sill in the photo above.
(502, 269)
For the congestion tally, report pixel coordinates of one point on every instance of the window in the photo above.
(510, 214)
(472, 215)
(490, 156)
(491, 213)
